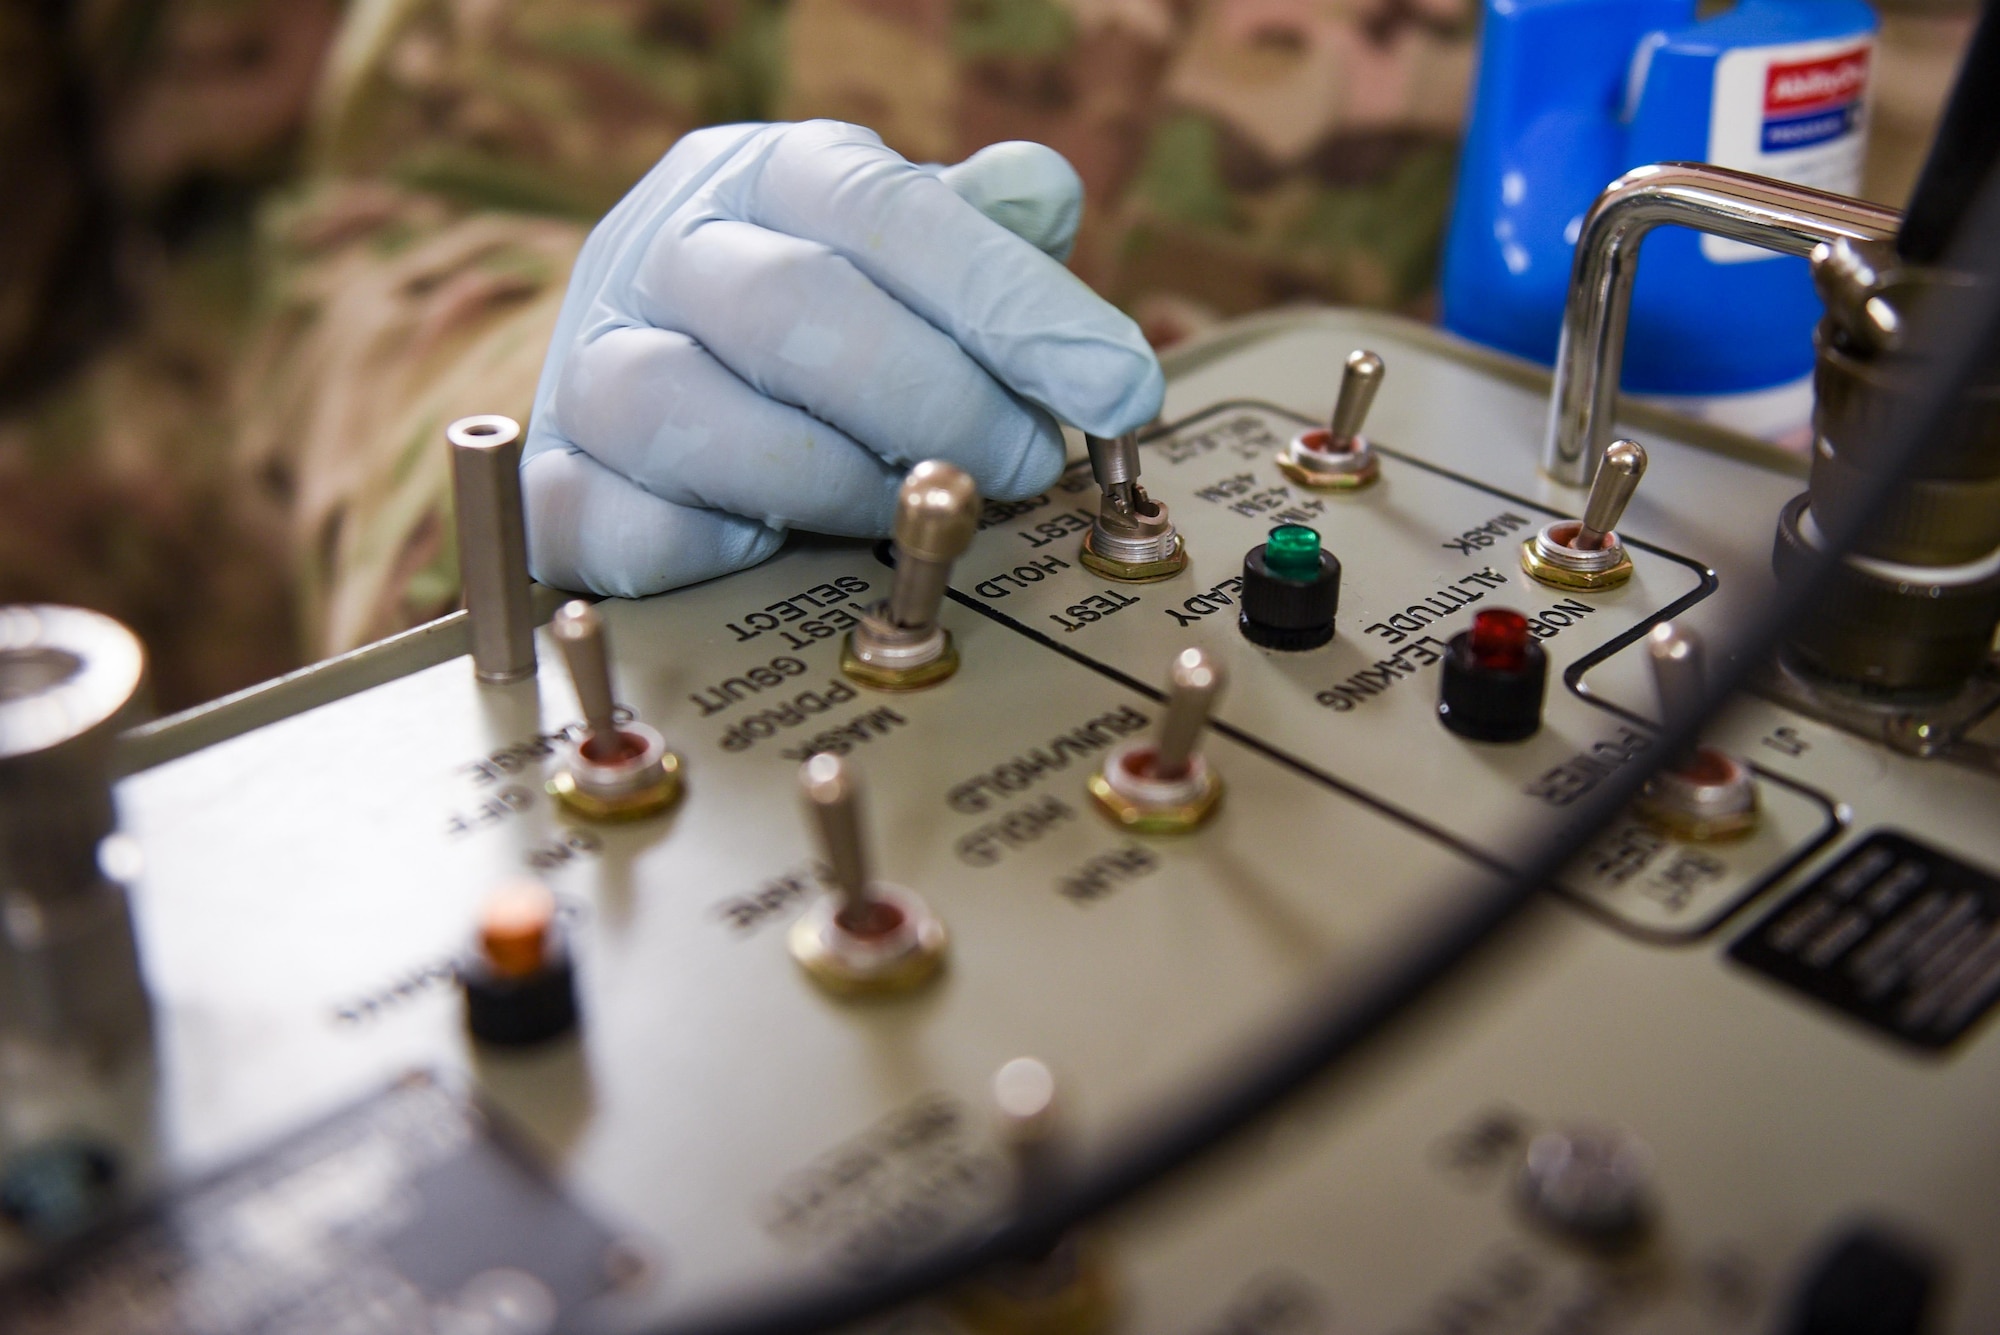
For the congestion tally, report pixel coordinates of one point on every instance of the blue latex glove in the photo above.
(780, 319)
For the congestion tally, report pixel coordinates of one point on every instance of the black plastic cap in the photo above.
(1280, 613)
(517, 1012)
(1490, 704)
(1868, 1281)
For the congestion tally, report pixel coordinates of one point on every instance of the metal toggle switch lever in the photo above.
(900, 645)
(1337, 457)
(865, 935)
(1066, 1287)
(1165, 785)
(1707, 793)
(1585, 553)
(1133, 538)
(615, 770)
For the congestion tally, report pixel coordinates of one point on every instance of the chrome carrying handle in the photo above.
(1789, 219)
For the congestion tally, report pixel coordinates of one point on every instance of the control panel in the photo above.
(767, 932)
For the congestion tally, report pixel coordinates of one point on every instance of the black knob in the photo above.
(1291, 589)
(520, 985)
(1493, 679)
(1867, 1282)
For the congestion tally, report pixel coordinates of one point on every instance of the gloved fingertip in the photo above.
(1035, 467)
(1028, 188)
(1113, 386)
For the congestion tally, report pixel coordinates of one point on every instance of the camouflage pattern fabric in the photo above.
(1236, 154)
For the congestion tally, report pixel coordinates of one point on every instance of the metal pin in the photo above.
(579, 630)
(937, 514)
(1192, 685)
(493, 544)
(833, 800)
(1679, 670)
(1617, 478)
(1359, 380)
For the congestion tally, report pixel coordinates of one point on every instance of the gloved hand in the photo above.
(780, 319)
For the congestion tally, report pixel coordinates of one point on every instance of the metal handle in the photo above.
(1789, 219)
(1624, 464)
(833, 798)
(1359, 380)
(580, 631)
(937, 514)
(1679, 670)
(1192, 685)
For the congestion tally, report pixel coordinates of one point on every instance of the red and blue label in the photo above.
(1808, 102)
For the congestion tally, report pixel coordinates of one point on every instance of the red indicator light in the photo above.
(1500, 640)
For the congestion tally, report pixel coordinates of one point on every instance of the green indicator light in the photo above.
(1292, 552)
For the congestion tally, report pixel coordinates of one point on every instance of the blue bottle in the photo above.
(1572, 93)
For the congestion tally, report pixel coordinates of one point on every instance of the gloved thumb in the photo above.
(1029, 189)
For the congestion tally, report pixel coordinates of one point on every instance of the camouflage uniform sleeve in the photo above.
(459, 152)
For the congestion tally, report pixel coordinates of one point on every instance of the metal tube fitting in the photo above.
(1789, 219)
(493, 545)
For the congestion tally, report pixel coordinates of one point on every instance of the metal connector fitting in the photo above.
(1171, 561)
(1132, 539)
(891, 944)
(638, 778)
(1549, 557)
(888, 657)
(1315, 460)
(1130, 790)
(1710, 797)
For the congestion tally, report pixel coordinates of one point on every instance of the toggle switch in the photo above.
(1585, 554)
(1066, 1288)
(1591, 1183)
(520, 984)
(865, 935)
(1164, 785)
(1291, 590)
(1337, 457)
(900, 645)
(1494, 678)
(615, 771)
(1708, 793)
(1133, 538)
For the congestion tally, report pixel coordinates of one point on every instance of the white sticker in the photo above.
(1798, 113)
